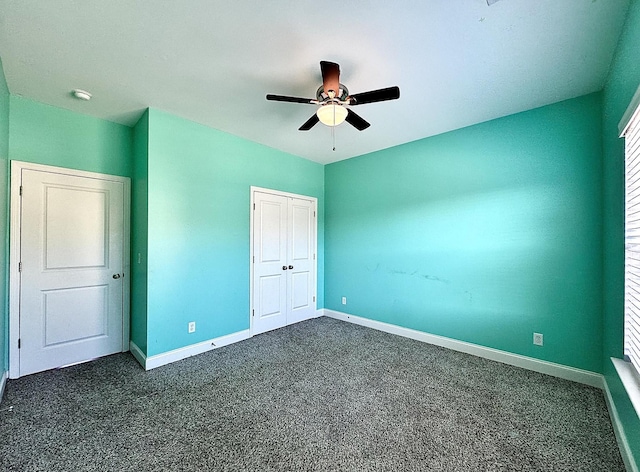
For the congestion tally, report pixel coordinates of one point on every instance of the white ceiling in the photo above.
(457, 62)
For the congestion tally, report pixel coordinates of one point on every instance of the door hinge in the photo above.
(19, 266)
(314, 299)
(314, 214)
(253, 312)
(18, 343)
(254, 259)
(314, 257)
(254, 206)
(21, 190)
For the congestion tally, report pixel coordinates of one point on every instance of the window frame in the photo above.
(629, 368)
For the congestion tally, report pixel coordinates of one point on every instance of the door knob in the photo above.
(116, 276)
(290, 267)
(284, 267)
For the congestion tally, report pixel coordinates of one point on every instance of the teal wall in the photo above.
(199, 183)
(139, 232)
(4, 224)
(486, 234)
(623, 80)
(48, 135)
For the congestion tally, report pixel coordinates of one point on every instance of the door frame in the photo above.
(254, 189)
(15, 226)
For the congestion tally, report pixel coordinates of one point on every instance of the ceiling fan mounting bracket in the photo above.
(341, 96)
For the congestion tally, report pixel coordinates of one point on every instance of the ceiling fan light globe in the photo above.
(331, 114)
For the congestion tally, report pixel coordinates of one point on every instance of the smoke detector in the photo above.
(82, 94)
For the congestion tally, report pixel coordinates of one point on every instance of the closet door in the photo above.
(270, 263)
(301, 269)
(284, 277)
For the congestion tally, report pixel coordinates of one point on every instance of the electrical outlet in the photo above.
(344, 300)
(192, 326)
(538, 339)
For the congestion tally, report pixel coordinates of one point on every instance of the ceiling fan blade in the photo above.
(284, 98)
(390, 93)
(356, 121)
(330, 76)
(310, 123)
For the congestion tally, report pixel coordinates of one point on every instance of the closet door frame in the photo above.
(314, 200)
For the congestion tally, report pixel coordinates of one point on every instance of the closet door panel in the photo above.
(270, 262)
(301, 305)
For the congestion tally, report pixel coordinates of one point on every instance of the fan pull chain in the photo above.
(333, 137)
(333, 129)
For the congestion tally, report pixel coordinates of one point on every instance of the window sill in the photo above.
(630, 380)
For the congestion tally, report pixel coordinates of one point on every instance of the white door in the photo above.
(284, 277)
(270, 262)
(71, 276)
(301, 269)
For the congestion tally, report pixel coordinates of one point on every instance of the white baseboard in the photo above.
(3, 383)
(621, 437)
(137, 353)
(557, 370)
(165, 358)
(151, 362)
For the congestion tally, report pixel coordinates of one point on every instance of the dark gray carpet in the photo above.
(322, 395)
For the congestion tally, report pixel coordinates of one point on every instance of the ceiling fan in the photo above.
(333, 97)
